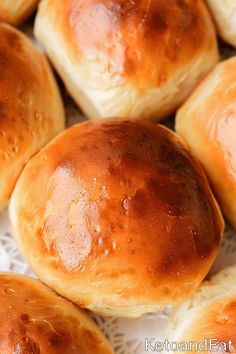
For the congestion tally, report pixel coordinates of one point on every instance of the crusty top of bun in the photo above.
(126, 218)
(125, 31)
(210, 313)
(207, 122)
(149, 48)
(15, 12)
(31, 110)
(34, 320)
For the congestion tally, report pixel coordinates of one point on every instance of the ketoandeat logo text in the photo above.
(207, 345)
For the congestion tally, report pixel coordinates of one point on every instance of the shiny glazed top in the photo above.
(122, 200)
(207, 122)
(136, 39)
(217, 321)
(34, 320)
(31, 111)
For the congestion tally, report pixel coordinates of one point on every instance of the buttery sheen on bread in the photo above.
(207, 122)
(224, 14)
(209, 314)
(128, 58)
(15, 12)
(31, 110)
(35, 320)
(117, 216)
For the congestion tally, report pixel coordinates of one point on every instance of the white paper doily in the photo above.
(125, 335)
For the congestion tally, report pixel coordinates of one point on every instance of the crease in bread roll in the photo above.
(224, 14)
(209, 314)
(36, 320)
(126, 223)
(31, 109)
(121, 58)
(207, 123)
(15, 12)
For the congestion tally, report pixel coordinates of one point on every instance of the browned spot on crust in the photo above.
(122, 198)
(131, 34)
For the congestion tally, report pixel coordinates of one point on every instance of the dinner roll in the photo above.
(209, 314)
(224, 14)
(35, 320)
(117, 216)
(128, 58)
(207, 122)
(31, 110)
(15, 12)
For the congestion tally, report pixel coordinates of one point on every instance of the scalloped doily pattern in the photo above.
(127, 336)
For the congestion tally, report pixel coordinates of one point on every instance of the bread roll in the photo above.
(207, 122)
(31, 110)
(35, 320)
(224, 14)
(15, 12)
(209, 314)
(126, 223)
(128, 58)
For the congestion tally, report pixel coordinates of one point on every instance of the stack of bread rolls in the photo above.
(116, 215)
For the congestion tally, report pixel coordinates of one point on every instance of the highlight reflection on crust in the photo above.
(35, 320)
(128, 58)
(123, 201)
(140, 31)
(67, 226)
(207, 123)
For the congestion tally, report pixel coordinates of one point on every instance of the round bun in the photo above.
(126, 223)
(128, 58)
(31, 110)
(209, 314)
(207, 123)
(224, 14)
(36, 320)
(15, 12)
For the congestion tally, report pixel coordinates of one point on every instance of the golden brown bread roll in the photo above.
(207, 122)
(34, 320)
(126, 222)
(224, 14)
(128, 58)
(31, 110)
(15, 12)
(209, 314)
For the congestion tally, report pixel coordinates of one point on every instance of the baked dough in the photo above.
(31, 109)
(128, 58)
(118, 217)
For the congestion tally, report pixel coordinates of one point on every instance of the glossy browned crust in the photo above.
(124, 204)
(207, 122)
(143, 40)
(31, 110)
(217, 321)
(14, 12)
(34, 320)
